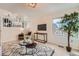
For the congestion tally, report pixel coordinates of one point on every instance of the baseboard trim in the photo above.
(61, 46)
(56, 44)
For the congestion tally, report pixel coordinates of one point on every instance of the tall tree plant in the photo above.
(70, 24)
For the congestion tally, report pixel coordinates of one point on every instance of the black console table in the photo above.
(36, 37)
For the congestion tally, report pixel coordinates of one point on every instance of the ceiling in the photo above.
(39, 10)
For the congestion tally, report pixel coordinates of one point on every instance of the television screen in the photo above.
(42, 27)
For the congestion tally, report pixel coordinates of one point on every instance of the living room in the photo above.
(39, 20)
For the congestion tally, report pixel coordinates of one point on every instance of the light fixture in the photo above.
(33, 5)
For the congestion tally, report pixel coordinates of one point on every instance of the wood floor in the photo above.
(59, 51)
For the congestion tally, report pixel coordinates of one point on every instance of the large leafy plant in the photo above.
(70, 24)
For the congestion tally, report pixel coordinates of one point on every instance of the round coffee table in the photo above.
(31, 46)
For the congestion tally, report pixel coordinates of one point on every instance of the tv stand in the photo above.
(36, 37)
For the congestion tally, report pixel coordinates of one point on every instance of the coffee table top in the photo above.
(28, 45)
(33, 45)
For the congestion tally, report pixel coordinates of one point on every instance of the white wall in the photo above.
(10, 34)
(56, 39)
(50, 29)
(48, 18)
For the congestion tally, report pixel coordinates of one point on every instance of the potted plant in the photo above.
(70, 25)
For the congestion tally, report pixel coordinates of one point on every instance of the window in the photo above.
(56, 23)
(7, 22)
(12, 23)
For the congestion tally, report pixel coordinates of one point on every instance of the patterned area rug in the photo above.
(13, 49)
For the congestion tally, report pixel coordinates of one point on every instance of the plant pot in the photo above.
(68, 49)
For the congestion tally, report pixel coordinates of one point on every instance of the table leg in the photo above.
(25, 52)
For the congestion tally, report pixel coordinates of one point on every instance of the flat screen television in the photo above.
(42, 27)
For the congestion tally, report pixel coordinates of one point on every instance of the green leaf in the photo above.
(70, 22)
